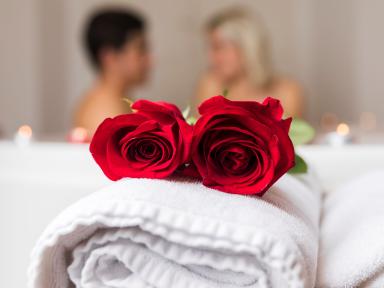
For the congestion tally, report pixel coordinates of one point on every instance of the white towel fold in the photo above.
(352, 235)
(166, 234)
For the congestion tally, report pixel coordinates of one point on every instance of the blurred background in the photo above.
(333, 48)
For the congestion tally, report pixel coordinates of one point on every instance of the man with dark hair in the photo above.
(116, 44)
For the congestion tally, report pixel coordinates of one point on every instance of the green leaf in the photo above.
(225, 92)
(191, 120)
(186, 112)
(301, 132)
(300, 168)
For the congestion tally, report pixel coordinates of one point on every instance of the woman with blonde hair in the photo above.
(239, 58)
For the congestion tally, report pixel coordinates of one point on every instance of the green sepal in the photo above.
(301, 132)
(225, 92)
(186, 112)
(191, 120)
(300, 168)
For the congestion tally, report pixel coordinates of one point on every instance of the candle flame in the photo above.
(342, 129)
(25, 131)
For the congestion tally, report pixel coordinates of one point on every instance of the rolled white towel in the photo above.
(352, 235)
(168, 234)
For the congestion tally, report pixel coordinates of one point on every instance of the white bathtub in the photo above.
(39, 181)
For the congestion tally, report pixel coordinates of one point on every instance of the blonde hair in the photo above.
(248, 33)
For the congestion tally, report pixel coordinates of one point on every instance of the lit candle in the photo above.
(339, 137)
(23, 136)
(78, 135)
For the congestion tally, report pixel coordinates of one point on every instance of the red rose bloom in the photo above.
(150, 143)
(241, 147)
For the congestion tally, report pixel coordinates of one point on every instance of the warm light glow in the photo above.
(78, 135)
(25, 131)
(342, 129)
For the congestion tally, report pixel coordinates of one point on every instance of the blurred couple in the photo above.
(238, 53)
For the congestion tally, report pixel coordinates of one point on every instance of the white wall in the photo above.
(335, 67)
(370, 56)
(19, 79)
(348, 69)
(54, 66)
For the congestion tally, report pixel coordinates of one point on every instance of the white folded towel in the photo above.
(165, 234)
(352, 235)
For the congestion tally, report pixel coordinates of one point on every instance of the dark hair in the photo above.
(110, 28)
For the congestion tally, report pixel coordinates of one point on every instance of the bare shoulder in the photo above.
(209, 85)
(287, 86)
(290, 94)
(83, 109)
(90, 111)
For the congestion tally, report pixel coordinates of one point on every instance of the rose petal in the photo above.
(163, 110)
(228, 131)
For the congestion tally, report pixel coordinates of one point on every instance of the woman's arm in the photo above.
(291, 95)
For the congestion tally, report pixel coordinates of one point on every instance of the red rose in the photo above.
(150, 143)
(241, 147)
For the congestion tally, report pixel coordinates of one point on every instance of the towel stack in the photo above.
(173, 234)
